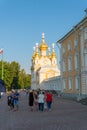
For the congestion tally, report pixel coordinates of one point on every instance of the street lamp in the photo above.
(1, 52)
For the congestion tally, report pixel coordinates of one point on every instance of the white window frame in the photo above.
(70, 83)
(76, 42)
(64, 83)
(64, 65)
(85, 33)
(63, 50)
(77, 82)
(76, 58)
(69, 45)
(69, 63)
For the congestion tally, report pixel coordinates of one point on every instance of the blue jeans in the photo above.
(15, 102)
(41, 106)
(49, 105)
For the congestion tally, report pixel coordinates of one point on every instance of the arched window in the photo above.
(69, 45)
(63, 50)
(70, 83)
(76, 41)
(64, 65)
(85, 33)
(69, 62)
(76, 58)
(77, 82)
(64, 83)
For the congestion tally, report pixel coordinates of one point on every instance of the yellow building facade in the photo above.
(74, 59)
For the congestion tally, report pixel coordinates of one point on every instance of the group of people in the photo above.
(13, 100)
(40, 100)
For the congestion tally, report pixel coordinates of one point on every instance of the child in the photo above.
(10, 101)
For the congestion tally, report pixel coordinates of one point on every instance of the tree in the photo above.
(24, 79)
(13, 76)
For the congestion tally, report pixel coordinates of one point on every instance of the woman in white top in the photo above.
(41, 101)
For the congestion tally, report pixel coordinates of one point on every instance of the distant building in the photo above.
(44, 66)
(73, 53)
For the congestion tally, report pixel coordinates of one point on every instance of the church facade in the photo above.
(44, 67)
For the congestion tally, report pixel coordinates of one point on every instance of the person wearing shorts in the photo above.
(16, 100)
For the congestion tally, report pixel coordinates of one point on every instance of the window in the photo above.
(76, 60)
(64, 83)
(70, 83)
(64, 65)
(85, 44)
(63, 50)
(85, 33)
(76, 42)
(69, 63)
(77, 82)
(69, 46)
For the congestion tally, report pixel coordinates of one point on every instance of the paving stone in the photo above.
(65, 115)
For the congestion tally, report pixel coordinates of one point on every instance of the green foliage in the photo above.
(13, 76)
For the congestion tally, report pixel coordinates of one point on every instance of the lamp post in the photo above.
(1, 52)
(2, 66)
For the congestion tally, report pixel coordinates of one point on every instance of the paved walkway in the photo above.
(65, 115)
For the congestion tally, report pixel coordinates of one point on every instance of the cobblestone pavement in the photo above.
(65, 115)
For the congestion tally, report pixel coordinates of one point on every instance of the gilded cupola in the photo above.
(49, 55)
(36, 52)
(36, 55)
(53, 55)
(43, 45)
(33, 56)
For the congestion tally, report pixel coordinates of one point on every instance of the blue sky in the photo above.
(22, 23)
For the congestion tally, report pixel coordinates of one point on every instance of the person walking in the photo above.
(35, 100)
(9, 100)
(31, 100)
(41, 101)
(49, 99)
(16, 100)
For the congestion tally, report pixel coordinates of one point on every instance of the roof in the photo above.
(72, 30)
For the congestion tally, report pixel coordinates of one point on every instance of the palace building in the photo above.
(44, 66)
(74, 60)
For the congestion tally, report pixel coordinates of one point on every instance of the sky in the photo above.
(22, 23)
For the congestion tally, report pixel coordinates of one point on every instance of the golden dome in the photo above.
(36, 54)
(49, 55)
(43, 45)
(53, 55)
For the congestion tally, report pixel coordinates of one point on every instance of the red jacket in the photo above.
(49, 97)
